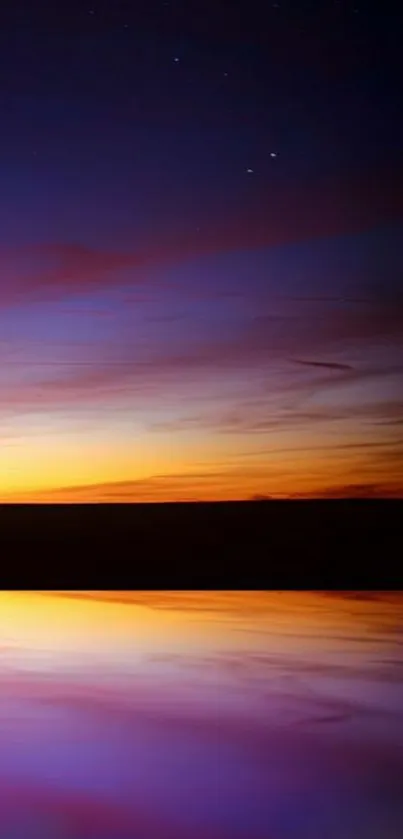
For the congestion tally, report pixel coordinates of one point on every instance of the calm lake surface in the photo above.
(223, 715)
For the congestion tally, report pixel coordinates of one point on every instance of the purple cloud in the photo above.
(328, 365)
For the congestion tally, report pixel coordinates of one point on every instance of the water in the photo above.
(189, 715)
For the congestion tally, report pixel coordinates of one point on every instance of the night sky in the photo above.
(201, 289)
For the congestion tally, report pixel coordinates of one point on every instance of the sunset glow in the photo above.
(200, 268)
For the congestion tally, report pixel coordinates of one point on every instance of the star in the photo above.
(91, 12)
(176, 60)
(250, 171)
(273, 154)
(225, 75)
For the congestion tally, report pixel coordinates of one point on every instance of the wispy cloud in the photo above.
(52, 270)
(329, 365)
(269, 476)
(233, 481)
(358, 490)
(254, 346)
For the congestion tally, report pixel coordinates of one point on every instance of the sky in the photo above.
(232, 715)
(201, 291)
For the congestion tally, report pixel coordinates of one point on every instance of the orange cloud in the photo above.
(358, 490)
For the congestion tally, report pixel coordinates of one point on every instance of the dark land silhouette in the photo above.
(352, 544)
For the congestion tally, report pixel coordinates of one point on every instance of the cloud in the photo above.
(326, 343)
(329, 365)
(264, 415)
(39, 805)
(392, 445)
(396, 420)
(232, 481)
(166, 318)
(370, 596)
(330, 299)
(347, 203)
(358, 490)
(239, 481)
(80, 384)
(329, 329)
(56, 270)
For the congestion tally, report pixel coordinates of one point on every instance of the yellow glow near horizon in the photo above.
(140, 623)
(90, 466)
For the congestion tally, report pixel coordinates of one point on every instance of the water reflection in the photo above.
(234, 715)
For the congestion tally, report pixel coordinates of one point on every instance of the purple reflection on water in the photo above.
(275, 720)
